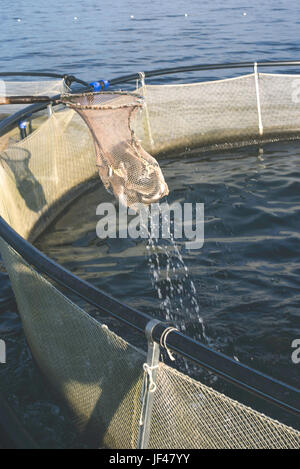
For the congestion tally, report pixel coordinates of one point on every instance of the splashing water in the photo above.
(172, 281)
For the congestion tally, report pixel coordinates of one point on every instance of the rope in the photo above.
(148, 370)
(163, 341)
(148, 130)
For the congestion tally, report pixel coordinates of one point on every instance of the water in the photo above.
(243, 283)
(106, 42)
(174, 286)
(247, 275)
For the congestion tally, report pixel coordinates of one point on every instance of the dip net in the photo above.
(98, 373)
(125, 168)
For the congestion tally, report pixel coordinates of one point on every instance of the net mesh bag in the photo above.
(29, 88)
(125, 168)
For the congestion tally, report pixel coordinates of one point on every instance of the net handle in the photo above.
(64, 99)
(25, 100)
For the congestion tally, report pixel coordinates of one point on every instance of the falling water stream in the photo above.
(173, 283)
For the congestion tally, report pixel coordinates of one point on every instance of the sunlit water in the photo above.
(240, 292)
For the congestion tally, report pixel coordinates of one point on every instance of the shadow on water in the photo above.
(28, 186)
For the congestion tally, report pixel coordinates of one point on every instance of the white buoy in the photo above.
(19, 20)
(132, 17)
(244, 14)
(75, 18)
(185, 14)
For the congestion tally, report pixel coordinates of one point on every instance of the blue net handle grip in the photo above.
(23, 125)
(100, 85)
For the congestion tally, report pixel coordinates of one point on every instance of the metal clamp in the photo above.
(163, 341)
(23, 129)
(69, 79)
(149, 385)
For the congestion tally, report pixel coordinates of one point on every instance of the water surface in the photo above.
(247, 274)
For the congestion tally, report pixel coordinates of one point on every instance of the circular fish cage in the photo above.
(119, 395)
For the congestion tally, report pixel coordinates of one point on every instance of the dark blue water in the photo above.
(247, 275)
(104, 41)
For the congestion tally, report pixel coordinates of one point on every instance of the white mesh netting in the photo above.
(219, 114)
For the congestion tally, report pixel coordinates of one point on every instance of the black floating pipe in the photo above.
(33, 74)
(12, 434)
(37, 103)
(9, 122)
(79, 287)
(69, 79)
(263, 386)
(201, 67)
(255, 382)
(24, 100)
